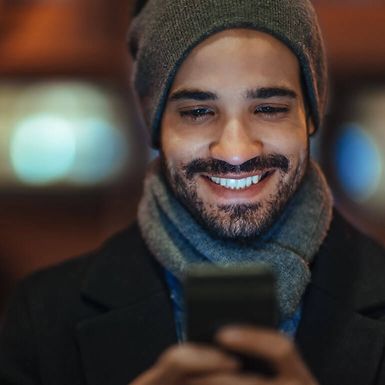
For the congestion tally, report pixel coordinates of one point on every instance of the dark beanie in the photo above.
(164, 32)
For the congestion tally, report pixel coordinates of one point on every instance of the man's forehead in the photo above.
(247, 63)
(235, 38)
(238, 49)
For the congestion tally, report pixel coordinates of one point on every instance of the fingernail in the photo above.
(229, 333)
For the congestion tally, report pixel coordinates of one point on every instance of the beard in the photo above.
(235, 221)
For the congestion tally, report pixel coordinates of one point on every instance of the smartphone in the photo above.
(216, 296)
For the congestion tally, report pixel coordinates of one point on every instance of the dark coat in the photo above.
(104, 318)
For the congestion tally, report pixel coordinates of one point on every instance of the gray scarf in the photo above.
(177, 240)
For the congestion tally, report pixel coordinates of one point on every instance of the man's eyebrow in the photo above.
(270, 92)
(193, 95)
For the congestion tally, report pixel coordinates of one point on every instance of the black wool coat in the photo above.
(104, 318)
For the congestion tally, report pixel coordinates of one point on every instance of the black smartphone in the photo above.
(216, 297)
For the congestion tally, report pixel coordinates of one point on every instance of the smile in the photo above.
(238, 184)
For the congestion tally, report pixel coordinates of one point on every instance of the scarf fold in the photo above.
(177, 241)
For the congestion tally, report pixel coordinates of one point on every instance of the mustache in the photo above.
(220, 167)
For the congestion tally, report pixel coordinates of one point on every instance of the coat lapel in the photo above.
(134, 321)
(340, 335)
(120, 344)
(341, 346)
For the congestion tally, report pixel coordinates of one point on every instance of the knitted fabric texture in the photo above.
(165, 31)
(177, 240)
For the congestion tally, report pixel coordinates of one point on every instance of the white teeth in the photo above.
(236, 184)
(242, 183)
(232, 183)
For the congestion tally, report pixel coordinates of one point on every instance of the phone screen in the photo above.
(216, 297)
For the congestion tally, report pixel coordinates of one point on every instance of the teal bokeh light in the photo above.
(67, 134)
(42, 149)
(101, 152)
(358, 162)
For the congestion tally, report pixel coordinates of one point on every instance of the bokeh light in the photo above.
(42, 149)
(63, 133)
(358, 162)
(100, 152)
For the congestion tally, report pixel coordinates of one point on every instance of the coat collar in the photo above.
(339, 335)
(115, 278)
(348, 267)
(136, 322)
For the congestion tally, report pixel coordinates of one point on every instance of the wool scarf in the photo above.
(177, 240)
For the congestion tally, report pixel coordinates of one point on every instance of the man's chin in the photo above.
(236, 222)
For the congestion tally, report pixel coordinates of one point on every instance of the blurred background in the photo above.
(72, 147)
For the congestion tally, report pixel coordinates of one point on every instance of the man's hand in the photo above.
(181, 364)
(191, 364)
(271, 346)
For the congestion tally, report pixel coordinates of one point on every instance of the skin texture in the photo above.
(235, 134)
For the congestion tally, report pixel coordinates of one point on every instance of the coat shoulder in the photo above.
(351, 265)
(68, 275)
(352, 244)
(38, 342)
(55, 293)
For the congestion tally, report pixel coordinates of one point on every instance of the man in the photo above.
(232, 91)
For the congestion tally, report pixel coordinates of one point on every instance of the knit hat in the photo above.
(164, 32)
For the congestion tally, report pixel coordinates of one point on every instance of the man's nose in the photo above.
(236, 144)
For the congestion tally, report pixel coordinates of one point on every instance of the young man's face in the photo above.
(234, 135)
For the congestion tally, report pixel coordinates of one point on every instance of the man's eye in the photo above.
(271, 110)
(196, 113)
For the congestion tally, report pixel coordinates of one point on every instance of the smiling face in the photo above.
(234, 135)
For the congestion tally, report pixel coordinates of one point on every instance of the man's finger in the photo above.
(190, 359)
(270, 344)
(266, 344)
(229, 379)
